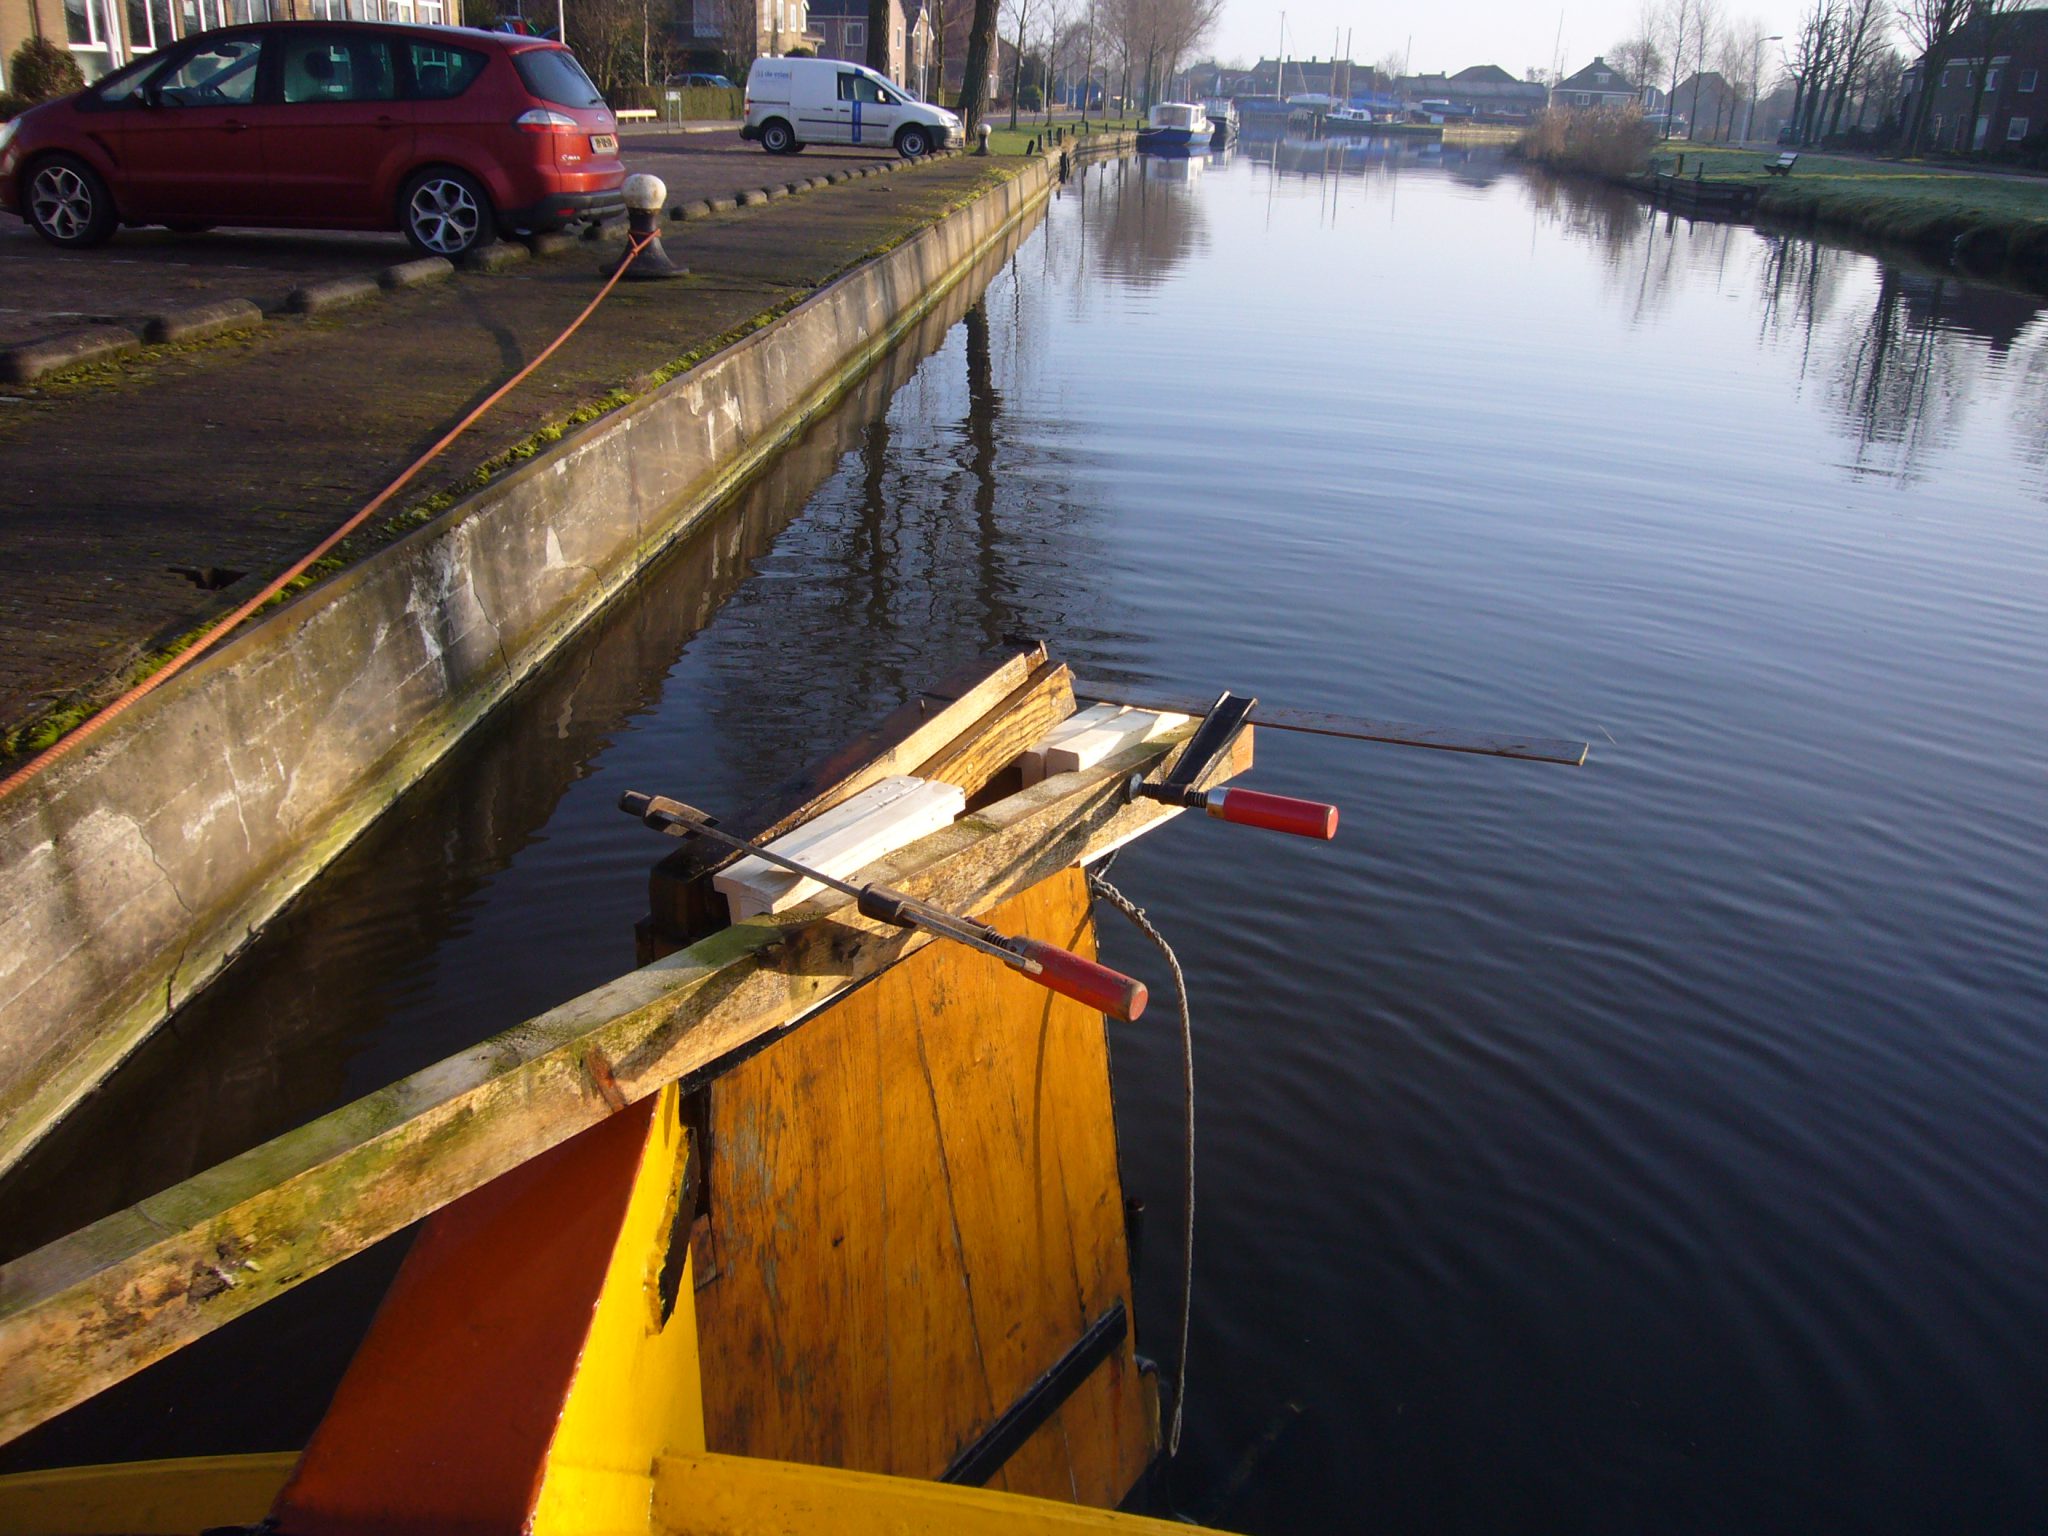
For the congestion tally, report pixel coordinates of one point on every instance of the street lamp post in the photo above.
(1756, 83)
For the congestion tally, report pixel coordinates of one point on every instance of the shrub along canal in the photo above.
(1654, 1145)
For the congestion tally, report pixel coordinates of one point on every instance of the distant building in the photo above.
(1711, 106)
(1482, 91)
(842, 27)
(1599, 85)
(2014, 104)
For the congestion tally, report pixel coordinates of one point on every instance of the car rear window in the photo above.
(439, 72)
(553, 75)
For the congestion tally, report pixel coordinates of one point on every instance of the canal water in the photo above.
(1655, 1145)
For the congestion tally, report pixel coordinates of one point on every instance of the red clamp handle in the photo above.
(1118, 995)
(1275, 813)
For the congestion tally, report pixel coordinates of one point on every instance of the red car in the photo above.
(448, 134)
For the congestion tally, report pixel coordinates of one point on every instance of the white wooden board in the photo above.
(1032, 760)
(1129, 729)
(844, 840)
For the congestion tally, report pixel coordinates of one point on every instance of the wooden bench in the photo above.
(1782, 166)
(635, 115)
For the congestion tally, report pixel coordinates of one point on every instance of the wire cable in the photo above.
(1100, 886)
(88, 728)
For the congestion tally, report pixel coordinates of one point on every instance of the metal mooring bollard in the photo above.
(645, 196)
(981, 132)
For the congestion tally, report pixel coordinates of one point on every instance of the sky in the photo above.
(1449, 35)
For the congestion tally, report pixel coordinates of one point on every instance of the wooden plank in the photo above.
(918, 1212)
(1084, 749)
(1535, 749)
(1032, 761)
(850, 836)
(982, 755)
(95, 1307)
(912, 734)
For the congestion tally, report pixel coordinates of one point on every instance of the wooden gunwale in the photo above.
(95, 1307)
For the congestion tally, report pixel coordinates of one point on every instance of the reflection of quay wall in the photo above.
(133, 872)
(238, 1069)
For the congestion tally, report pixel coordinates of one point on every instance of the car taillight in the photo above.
(746, 105)
(541, 120)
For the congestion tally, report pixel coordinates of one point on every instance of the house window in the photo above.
(2015, 130)
(82, 17)
(1944, 78)
(856, 34)
(1937, 127)
(2029, 78)
(1991, 79)
(150, 25)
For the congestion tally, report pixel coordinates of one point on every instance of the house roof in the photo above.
(1484, 74)
(1589, 79)
(839, 10)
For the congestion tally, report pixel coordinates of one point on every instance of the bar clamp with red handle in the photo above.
(1244, 807)
(1060, 970)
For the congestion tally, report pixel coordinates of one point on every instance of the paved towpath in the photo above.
(126, 488)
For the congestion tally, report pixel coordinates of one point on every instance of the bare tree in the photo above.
(1865, 26)
(1706, 33)
(1742, 52)
(1930, 27)
(1676, 24)
(1020, 19)
(1637, 56)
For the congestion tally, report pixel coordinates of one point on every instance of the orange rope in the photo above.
(177, 664)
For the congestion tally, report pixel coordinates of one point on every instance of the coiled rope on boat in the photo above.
(1099, 885)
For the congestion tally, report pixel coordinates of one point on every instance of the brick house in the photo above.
(1599, 85)
(842, 26)
(2015, 89)
(105, 34)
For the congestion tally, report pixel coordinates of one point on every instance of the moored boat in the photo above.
(1223, 119)
(1176, 127)
(812, 1221)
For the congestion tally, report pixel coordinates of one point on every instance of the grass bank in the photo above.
(1994, 225)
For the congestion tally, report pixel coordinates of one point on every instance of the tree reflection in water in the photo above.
(1900, 353)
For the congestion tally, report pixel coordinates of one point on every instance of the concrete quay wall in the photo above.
(133, 871)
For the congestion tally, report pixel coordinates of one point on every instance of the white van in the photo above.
(795, 102)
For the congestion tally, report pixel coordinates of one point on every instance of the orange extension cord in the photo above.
(90, 727)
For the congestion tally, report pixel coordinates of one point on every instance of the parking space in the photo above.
(142, 272)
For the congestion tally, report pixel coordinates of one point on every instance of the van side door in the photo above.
(873, 114)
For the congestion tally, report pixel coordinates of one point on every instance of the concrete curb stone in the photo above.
(195, 322)
(313, 298)
(750, 199)
(780, 189)
(722, 204)
(29, 361)
(495, 257)
(410, 274)
(700, 209)
(551, 242)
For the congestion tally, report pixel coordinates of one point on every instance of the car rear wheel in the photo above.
(68, 203)
(913, 143)
(777, 137)
(446, 213)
